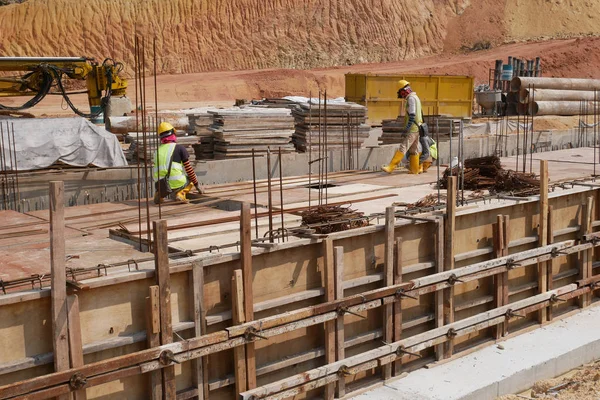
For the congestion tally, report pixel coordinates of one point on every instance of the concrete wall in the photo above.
(118, 184)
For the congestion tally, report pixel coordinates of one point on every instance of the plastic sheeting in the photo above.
(39, 143)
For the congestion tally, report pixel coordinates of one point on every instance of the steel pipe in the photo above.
(559, 108)
(525, 95)
(555, 83)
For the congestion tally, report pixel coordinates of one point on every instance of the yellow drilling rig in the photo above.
(41, 76)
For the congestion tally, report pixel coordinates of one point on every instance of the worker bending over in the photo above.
(172, 162)
(409, 140)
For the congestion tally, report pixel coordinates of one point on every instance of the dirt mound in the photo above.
(218, 35)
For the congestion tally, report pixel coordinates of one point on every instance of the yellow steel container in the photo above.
(440, 94)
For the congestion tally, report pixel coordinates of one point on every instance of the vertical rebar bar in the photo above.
(145, 129)
(356, 142)
(462, 161)
(319, 151)
(137, 137)
(11, 156)
(437, 140)
(532, 91)
(309, 150)
(16, 168)
(326, 154)
(254, 186)
(281, 195)
(270, 199)
(4, 171)
(156, 122)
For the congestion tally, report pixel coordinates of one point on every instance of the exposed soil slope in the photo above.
(210, 35)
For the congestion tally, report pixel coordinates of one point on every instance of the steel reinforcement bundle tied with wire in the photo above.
(487, 173)
(327, 219)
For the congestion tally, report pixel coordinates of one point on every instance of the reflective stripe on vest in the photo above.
(418, 115)
(161, 166)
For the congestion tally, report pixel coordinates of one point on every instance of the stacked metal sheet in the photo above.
(337, 125)
(236, 132)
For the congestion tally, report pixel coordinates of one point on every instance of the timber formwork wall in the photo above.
(114, 313)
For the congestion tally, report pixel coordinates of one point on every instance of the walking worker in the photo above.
(172, 169)
(413, 119)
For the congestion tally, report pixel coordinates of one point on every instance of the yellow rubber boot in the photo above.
(413, 164)
(426, 165)
(398, 156)
(181, 195)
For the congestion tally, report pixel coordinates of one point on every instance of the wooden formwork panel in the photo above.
(116, 311)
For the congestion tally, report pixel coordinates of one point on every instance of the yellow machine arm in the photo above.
(41, 74)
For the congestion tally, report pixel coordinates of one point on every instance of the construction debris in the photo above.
(327, 219)
(427, 201)
(487, 173)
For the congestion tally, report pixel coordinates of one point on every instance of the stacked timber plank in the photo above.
(341, 123)
(554, 96)
(199, 124)
(137, 150)
(236, 132)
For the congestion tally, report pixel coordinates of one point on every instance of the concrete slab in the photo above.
(490, 372)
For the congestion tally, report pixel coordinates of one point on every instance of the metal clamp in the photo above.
(451, 333)
(77, 381)
(401, 350)
(213, 247)
(341, 311)
(251, 334)
(511, 314)
(555, 252)
(402, 293)
(167, 357)
(452, 279)
(344, 371)
(511, 264)
(555, 299)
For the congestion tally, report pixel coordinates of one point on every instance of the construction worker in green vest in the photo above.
(172, 162)
(409, 140)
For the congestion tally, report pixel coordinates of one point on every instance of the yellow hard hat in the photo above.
(403, 83)
(165, 127)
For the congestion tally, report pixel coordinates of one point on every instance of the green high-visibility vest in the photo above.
(161, 166)
(418, 115)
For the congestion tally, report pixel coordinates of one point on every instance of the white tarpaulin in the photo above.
(39, 143)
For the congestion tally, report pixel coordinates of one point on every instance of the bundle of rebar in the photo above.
(327, 219)
(487, 173)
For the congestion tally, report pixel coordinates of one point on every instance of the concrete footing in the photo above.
(544, 353)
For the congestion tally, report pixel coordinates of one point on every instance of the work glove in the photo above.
(199, 189)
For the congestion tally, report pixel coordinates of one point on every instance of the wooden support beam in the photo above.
(340, 352)
(246, 264)
(75, 344)
(550, 267)
(398, 304)
(543, 236)
(505, 281)
(498, 235)
(198, 312)
(58, 280)
(153, 337)
(586, 258)
(163, 279)
(439, 295)
(239, 352)
(329, 285)
(388, 280)
(450, 228)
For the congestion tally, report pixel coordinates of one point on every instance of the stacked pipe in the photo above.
(520, 68)
(556, 96)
